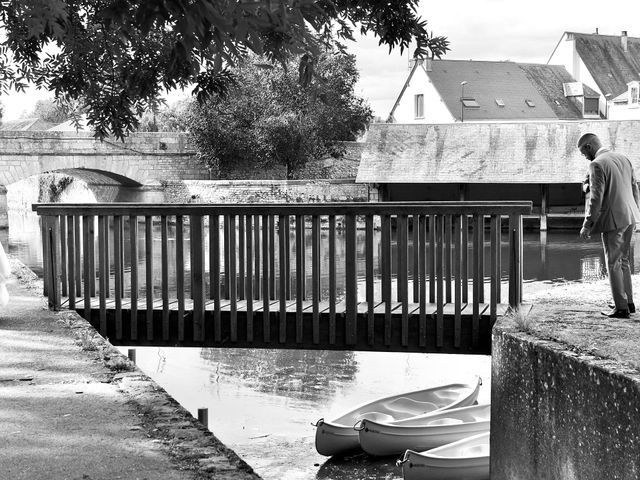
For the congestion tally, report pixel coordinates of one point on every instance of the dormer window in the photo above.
(470, 102)
(499, 102)
(530, 103)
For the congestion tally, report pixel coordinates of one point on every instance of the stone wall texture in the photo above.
(558, 414)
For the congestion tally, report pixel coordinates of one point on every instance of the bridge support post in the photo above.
(4, 216)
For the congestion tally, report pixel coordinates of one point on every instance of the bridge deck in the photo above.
(247, 325)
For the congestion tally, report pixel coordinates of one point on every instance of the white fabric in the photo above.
(5, 273)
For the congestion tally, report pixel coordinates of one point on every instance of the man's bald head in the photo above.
(588, 145)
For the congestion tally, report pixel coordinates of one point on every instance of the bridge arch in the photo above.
(142, 159)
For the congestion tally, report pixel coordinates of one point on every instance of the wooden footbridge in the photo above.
(417, 277)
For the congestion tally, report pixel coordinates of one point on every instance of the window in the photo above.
(470, 103)
(633, 94)
(591, 106)
(499, 102)
(419, 106)
(530, 103)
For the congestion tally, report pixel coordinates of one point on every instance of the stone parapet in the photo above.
(560, 411)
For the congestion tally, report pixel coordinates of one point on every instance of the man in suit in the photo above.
(612, 210)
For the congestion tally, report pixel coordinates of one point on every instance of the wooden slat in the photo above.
(439, 239)
(133, 253)
(214, 278)
(118, 252)
(369, 278)
(315, 277)
(180, 290)
(198, 275)
(300, 276)
(233, 280)
(71, 260)
(164, 270)
(494, 268)
(249, 275)
(283, 220)
(431, 263)
(227, 257)
(458, 285)
(242, 260)
(63, 255)
(86, 264)
(465, 259)
(351, 280)
(148, 265)
(448, 251)
(385, 268)
(478, 280)
(77, 234)
(267, 286)
(402, 246)
(332, 279)
(415, 230)
(422, 275)
(103, 265)
(256, 257)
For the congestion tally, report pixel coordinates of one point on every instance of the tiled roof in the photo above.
(542, 152)
(609, 65)
(510, 82)
(25, 124)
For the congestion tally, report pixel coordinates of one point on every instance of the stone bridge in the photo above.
(142, 159)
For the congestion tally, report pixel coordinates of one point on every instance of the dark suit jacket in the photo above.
(614, 198)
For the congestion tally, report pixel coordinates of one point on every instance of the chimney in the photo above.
(427, 64)
(623, 41)
(596, 30)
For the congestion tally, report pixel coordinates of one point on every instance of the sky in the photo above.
(477, 30)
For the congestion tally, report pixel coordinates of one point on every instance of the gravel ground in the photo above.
(74, 408)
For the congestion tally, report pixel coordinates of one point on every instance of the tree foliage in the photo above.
(269, 118)
(120, 55)
(49, 111)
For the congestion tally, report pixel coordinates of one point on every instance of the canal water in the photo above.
(262, 403)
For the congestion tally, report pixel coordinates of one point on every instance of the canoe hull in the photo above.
(381, 439)
(449, 462)
(332, 439)
(338, 436)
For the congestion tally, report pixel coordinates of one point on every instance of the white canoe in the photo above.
(423, 432)
(466, 459)
(337, 435)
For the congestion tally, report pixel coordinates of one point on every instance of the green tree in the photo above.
(120, 55)
(165, 118)
(269, 118)
(49, 111)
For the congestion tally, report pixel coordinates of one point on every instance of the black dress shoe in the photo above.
(617, 313)
(632, 307)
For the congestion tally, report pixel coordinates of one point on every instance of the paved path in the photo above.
(72, 407)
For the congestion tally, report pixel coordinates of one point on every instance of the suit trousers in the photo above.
(617, 248)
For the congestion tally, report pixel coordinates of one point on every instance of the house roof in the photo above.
(508, 83)
(540, 152)
(609, 65)
(25, 124)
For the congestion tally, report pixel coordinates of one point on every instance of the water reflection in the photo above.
(262, 402)
(298, 374)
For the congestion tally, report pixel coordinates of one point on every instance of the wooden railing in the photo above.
(233, 273)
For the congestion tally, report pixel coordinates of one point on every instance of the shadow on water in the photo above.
(360, 466)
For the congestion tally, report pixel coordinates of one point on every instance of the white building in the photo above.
(449, 91)
(609, 64)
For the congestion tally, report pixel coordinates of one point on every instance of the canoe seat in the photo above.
(406, 406)
(481, 450)
(445, 421)
(376, 417)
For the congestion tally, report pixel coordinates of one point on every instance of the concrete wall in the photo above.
(265, 191)
(560, 415)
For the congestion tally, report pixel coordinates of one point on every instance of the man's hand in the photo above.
(585, 233)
